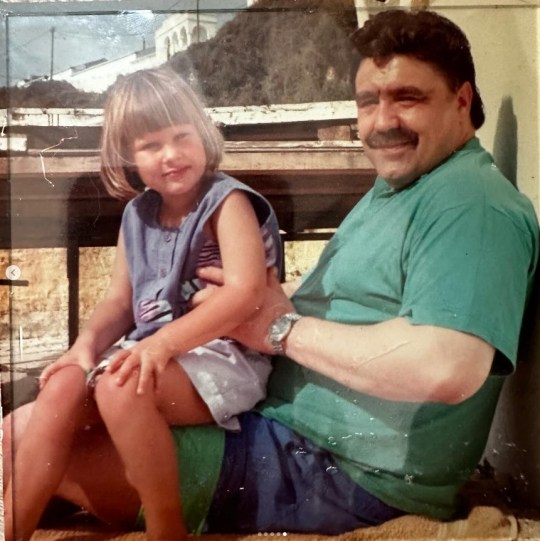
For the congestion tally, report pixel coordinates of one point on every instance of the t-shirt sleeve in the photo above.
(467, 268)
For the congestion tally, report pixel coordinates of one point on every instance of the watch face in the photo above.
(280, 328)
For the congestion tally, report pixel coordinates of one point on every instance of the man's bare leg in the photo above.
(94, 479)
(43, 451)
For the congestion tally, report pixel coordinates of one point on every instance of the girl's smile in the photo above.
(175, 173)
(171, 161)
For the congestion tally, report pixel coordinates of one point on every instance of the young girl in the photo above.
(173, 367)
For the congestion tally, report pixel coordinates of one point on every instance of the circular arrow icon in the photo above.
(13, 272)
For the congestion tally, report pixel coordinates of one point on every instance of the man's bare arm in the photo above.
(393, 360)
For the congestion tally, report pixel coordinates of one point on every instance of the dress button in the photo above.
(168, 237)
(163, 273)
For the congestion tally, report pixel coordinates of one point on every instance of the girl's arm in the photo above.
(110, 320)
(392, 360)
(237, 231)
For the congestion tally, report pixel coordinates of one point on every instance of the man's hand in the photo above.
(254, 332)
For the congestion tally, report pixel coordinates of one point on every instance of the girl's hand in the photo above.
(81, 357)
(149, 357)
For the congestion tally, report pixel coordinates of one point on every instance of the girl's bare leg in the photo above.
(43, 451)
(139, 428)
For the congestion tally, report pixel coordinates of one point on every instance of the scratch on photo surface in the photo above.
(42, 158)
(384, 352)
(98, 199)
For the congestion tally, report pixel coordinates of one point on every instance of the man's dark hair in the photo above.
(426, 36)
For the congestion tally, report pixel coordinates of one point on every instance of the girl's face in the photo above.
(171, 161)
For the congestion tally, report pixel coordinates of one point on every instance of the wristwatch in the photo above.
(280, 329)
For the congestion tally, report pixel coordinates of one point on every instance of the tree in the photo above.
(272, 53)
(49, 94)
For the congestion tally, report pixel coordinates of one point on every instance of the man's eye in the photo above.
(410, 98)
(366, 99)
(363, 104)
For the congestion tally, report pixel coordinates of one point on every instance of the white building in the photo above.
(180, 30)
(175, 34)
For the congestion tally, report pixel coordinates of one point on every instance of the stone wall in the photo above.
(36, 313)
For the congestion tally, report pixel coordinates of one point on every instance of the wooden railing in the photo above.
(52, 196)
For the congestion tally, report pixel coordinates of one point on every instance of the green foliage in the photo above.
(49, 94)
(275, 53)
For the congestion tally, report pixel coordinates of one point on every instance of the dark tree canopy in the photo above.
(275, 53)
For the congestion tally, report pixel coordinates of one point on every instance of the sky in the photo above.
(38, 36)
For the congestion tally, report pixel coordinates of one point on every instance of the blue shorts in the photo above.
(273, 480)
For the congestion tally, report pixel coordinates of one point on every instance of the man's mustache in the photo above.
(394, 136)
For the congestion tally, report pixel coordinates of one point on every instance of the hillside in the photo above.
(275, 53)
(278, 51)
(49, 94)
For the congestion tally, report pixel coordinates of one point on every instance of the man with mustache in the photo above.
(392, 347)
(390, 351)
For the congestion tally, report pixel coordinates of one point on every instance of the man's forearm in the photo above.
(393, 360)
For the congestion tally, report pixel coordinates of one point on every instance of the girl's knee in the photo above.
(116, 400)
(67, 385)
(106, 391)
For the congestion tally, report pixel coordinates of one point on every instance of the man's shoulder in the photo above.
(470, 180)
(470, 175)
(467, 165)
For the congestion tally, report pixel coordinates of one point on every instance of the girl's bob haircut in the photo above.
(144, 102)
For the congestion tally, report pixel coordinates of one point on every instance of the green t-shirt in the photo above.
(456, 249)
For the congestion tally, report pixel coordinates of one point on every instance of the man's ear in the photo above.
(465, 96)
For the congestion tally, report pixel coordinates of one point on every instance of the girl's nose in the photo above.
(169, 152)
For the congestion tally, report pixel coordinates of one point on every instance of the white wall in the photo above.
(514, 446)
(100, 76)
(187, 22)
(505, 44)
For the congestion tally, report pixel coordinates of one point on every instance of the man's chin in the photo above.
(398, 180)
